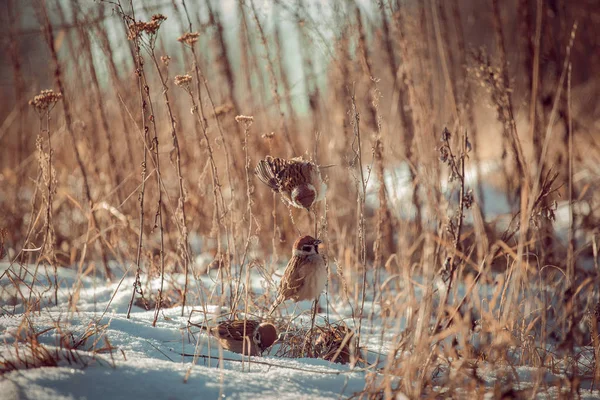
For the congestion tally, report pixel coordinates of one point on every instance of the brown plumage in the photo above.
(298, 181)
(258, 336)
(305, 275)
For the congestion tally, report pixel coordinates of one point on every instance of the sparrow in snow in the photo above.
(305, 275)
(298, 181)
(256, 338)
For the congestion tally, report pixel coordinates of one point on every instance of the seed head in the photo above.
(182, 80)
(136, 28)
(189, 38)
(152, 26)
(45, 100)
(244, 119)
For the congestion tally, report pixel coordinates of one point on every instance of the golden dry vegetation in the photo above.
(129, 135)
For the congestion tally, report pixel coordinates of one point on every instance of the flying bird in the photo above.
(298, 181)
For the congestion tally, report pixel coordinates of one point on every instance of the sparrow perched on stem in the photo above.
(256, 338)
(298, 181)
(305, 275)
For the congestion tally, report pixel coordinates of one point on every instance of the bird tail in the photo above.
(265, 172)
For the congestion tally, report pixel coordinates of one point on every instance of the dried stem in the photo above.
(49, 35)
(180, 216)
(139, 67)
(360, 200)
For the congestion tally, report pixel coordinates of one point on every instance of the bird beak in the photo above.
(317, 242)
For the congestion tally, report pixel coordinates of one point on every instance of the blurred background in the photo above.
(518, 77)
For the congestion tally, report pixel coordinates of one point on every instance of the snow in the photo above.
(399, 190)
(148, 361)
(149, 377)
(156, 362)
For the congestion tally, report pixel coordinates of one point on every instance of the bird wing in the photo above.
(271, 171)
(279, 173)
(293, 278)
(264, 172)
(234, 329)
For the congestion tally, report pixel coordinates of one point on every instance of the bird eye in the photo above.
(307, 248)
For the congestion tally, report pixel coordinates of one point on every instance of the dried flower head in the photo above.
(244, 119)
(159, 18)
(45, 100)
(268, 135)
(182, 80)
(152, 26)
(189, 38)
(136, 28)
(165, 60)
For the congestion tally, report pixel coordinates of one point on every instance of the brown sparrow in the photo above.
(298, 181)
(305, 275)
(257, 338)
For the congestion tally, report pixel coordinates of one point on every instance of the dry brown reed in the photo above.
(456, 286)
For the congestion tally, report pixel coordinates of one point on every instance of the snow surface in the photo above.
(147, 361)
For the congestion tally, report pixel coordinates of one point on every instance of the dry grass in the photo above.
(144, 157)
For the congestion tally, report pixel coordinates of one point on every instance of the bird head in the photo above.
(306, 245)
(266, 335)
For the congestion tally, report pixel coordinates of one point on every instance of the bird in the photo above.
(256, 338)
(299, 181)
(305, 275)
